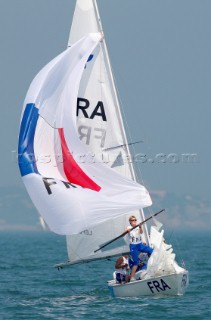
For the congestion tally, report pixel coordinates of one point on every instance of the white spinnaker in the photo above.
(101, 132)
(69, 209)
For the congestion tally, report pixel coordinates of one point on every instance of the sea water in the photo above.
(31, 288)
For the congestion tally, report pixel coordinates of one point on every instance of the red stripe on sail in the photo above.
(72, 170)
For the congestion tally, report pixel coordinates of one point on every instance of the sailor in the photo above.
(136, 244)
(122, 267)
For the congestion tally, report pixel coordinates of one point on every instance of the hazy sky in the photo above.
(161, 55)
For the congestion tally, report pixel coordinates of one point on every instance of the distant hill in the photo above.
(182, 211)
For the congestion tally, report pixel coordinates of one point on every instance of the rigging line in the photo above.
(66, 281)
(128, 132)
(179, 251)
(121, 145)
(136, 167)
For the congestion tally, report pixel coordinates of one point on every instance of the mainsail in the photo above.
(81, 186)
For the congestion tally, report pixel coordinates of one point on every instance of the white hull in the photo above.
(172, 284)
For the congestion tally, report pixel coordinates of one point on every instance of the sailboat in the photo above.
(76, 165)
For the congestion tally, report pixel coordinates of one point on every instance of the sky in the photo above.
(160, 54)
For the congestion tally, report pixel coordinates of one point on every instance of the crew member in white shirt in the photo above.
(136, 244)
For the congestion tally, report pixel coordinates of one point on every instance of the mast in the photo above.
(110, 73)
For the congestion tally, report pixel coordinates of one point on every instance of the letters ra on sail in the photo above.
(61, 129)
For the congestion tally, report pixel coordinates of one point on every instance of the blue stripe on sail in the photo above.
(89, 59)
(26, 158)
